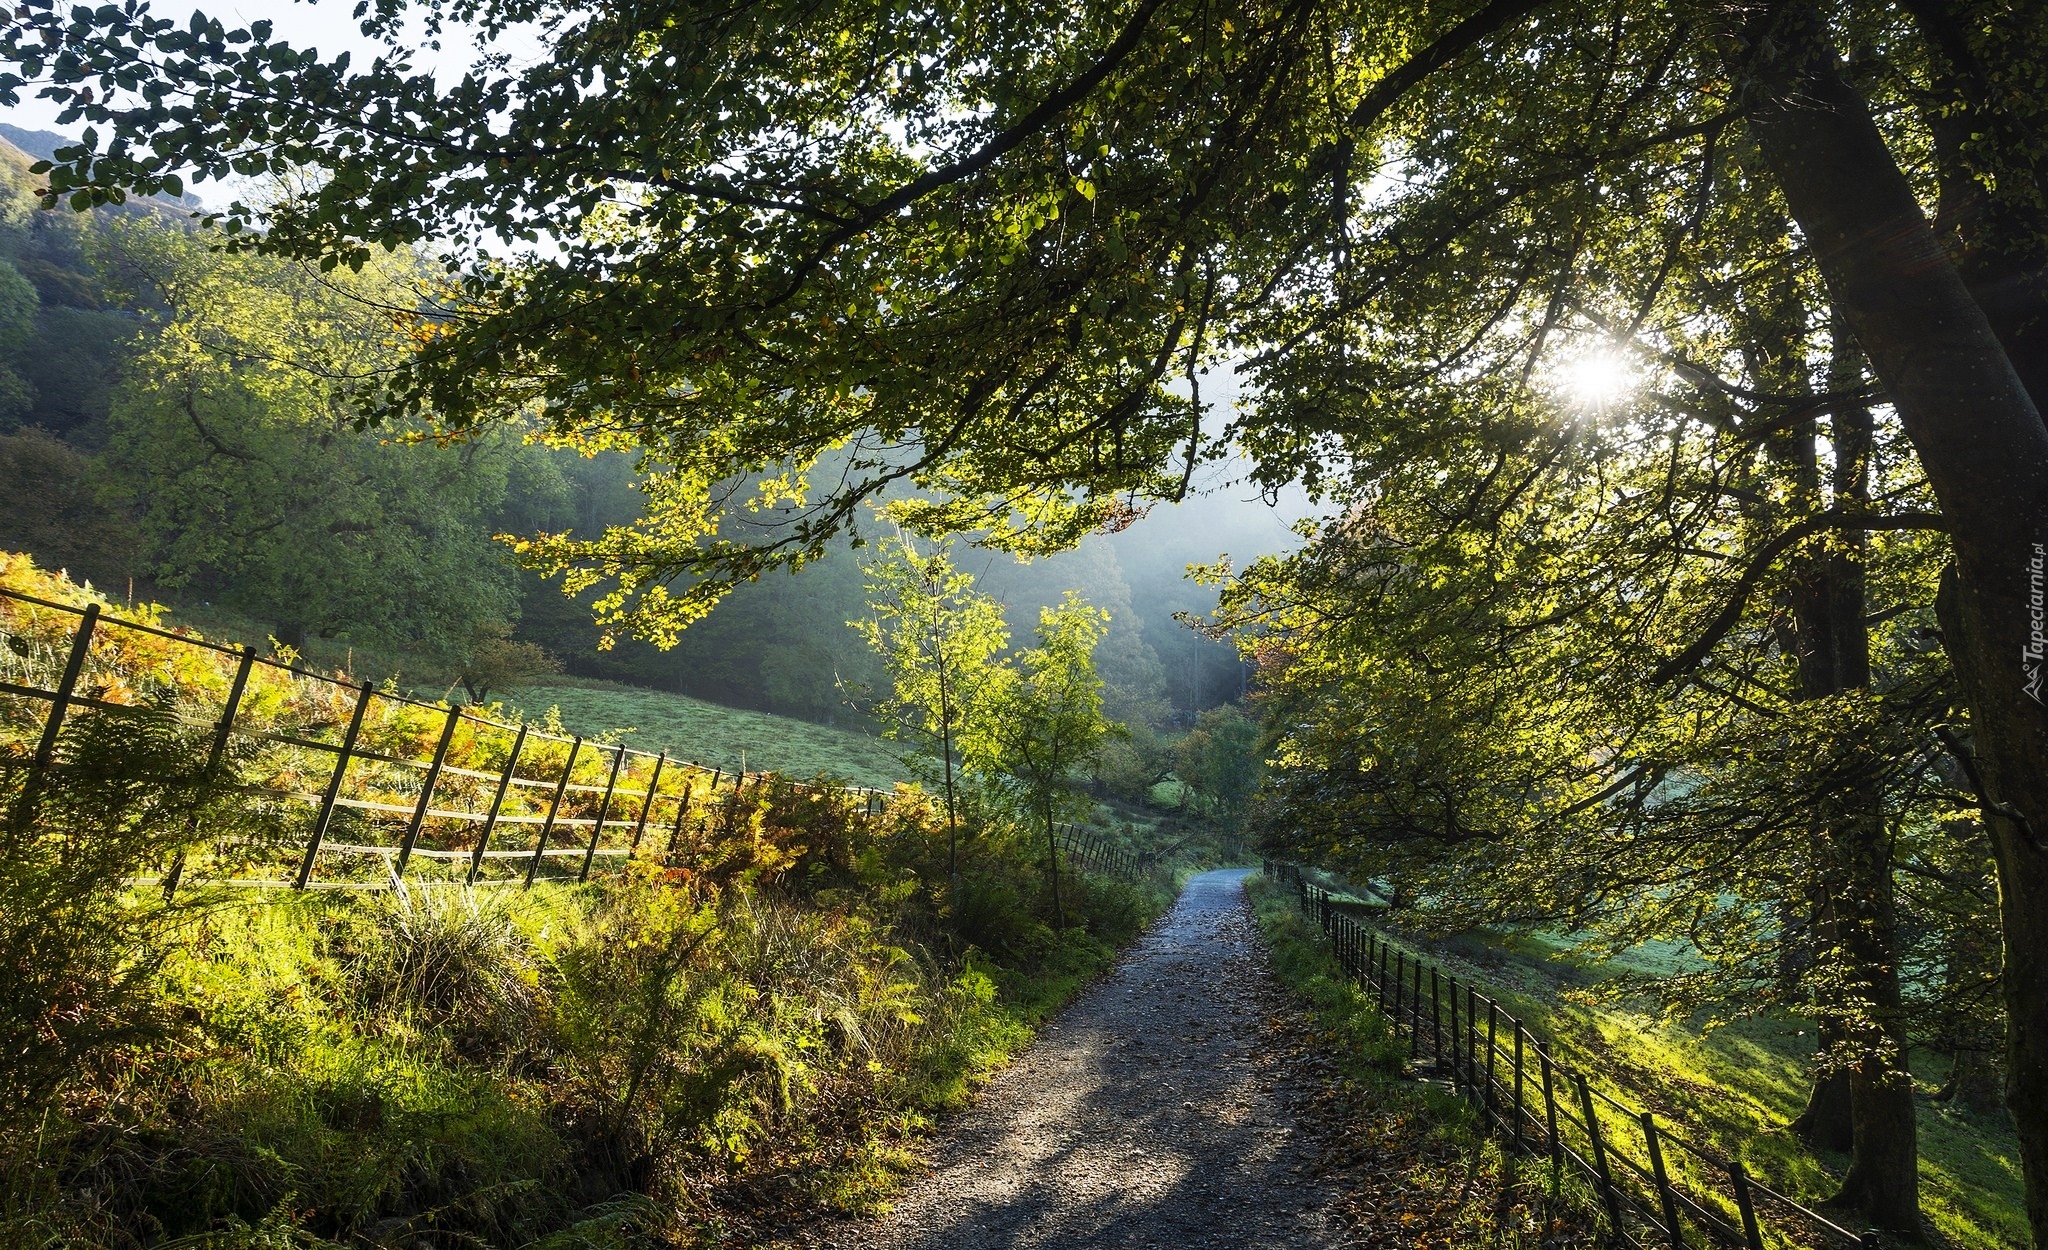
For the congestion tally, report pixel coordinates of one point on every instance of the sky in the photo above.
(329, 26)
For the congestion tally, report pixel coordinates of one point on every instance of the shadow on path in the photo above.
(1149, 1114)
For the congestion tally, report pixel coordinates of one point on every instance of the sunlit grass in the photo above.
(717, 736)
(1738, 1086)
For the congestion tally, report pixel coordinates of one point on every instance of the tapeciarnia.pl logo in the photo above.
(2037, 618)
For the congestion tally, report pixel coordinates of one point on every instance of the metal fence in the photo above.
(1656, 1188)
(378, 783)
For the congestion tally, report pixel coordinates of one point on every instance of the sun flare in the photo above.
(1598, 378)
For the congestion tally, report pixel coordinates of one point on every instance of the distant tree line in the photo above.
(188, 422)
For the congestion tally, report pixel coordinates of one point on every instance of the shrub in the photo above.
(450, 957)
(78, 945)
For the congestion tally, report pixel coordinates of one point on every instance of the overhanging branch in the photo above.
(1760, 563)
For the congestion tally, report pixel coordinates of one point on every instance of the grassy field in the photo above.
(716, 736)
(654, 720)
(1746, 1080)
(1739, 1084)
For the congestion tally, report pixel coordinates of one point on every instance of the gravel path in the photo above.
(1152, 1113)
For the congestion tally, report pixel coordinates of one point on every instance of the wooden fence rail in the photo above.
(392, 784)
(1655, 1188)
(1090, 852)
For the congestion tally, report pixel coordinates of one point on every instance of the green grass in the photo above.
(691, 729)
(715, 736)
(343, 1068)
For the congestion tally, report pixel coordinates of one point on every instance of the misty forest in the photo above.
(1216, 623)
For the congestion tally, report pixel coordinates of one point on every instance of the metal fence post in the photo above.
(1518, 1086)
(547, 824)
(74, 664)
(1492, 1049)
(647, 803)
(1415, 1013)
(328, 800)
(1400, 982)
(483, 840)
(604, 807)
(1665, 1198)
(419, 811)
(1601, 1175)
(1550, 1113)
(1456, 1077)
(1472, 1042)
(1436, 1019)
(1745, 1205)
(223, 731)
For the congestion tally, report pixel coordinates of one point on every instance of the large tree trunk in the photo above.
(1862, 1098)
(1982, 441)
(1883, 1180)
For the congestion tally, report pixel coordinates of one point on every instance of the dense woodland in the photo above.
(174, 424)
(1670, 378)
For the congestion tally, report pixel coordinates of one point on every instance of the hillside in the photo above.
(716, 736)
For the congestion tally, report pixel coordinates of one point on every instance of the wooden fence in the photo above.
(377, 784)
(1090, 852)
(1655, 1188)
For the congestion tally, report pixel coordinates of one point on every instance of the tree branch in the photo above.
(1761, 562)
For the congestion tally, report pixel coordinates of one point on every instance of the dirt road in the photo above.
(1149, 1114)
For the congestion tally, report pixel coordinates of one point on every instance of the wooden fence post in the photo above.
(1601, 1175)
(328, 800)
(419, 811)
(647, 803)
(223, 732)
(1665, 1197)
(74, 664)
(711, 799)
(547, 824)
(483, 840)
(682, 809)
(604, 807)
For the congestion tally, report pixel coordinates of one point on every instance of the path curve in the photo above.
(1153, 1112)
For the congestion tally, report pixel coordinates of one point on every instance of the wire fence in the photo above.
(368, 786)
(1655, 1187)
